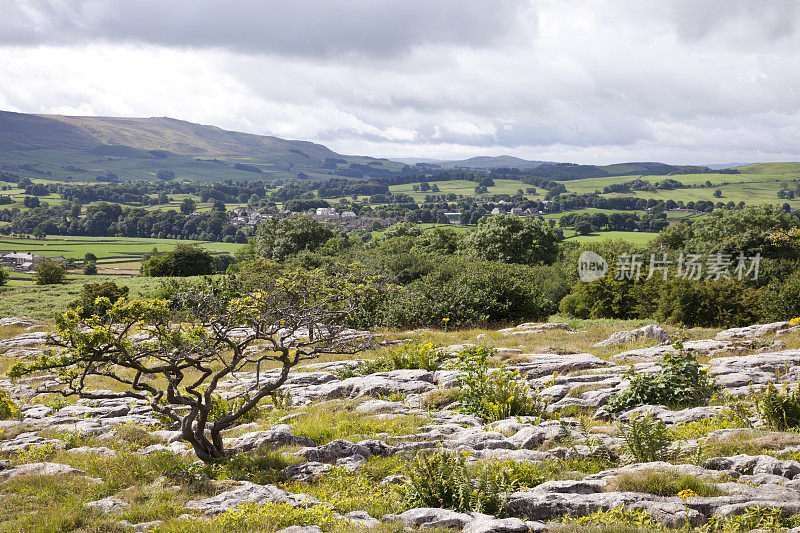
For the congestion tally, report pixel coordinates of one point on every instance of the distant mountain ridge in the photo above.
(84, 148)
(179, 137)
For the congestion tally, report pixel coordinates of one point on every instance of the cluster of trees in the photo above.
(703, 297)
(107, 219)
(584, 223)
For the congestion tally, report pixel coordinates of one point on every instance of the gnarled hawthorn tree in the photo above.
(175, 354)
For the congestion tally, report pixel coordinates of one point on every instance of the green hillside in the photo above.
(81, 148)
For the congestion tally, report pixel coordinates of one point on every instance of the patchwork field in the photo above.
(115, 255)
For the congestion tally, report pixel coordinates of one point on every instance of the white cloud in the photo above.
(583, 81)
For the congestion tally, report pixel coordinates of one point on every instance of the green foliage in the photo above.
(220, 408)
(8, 408)
(779, 408)
(359, 491)
(184, 260)
(262, 466)
(754, 518)
(49, 272)
(275, 516)
(90, 269)
(424, 355)
(3, 276)
(278, 239)
(475, 292)
(617, 517)
(497, 394)
(443, 479)
(512, 239)
(97, 298)
(663, 483)
(646, 439)
(679, 383)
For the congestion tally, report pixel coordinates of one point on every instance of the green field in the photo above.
(463, 187)
(636, 237)
(121, 255)
(751, 188)
(23, 298)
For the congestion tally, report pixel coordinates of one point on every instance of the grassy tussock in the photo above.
(662, 483)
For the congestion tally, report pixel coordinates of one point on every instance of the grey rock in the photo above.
(25, 441)
(538, 365)
(100, 451)
(142, 526)
(107, 505)
(300, 529)
(651, 332)
(334, 450)
(496, 525)
(394, 479)
(533, 436)
(19, 321)
(380, 383)
(429, 517)
(362, 519)
(479, 440)
(307, 472)
(273, 438)
(23, 340)
(755, 464)
(39, 469)
(250, 493)
(754, 331)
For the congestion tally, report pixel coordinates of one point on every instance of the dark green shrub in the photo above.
(469, 293)
(3, 276)
(184, 260)
(780, 408)
(679, 383)
(48, 272)
(90, 269)
(97, 298)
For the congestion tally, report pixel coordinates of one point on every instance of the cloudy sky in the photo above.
(679, 81)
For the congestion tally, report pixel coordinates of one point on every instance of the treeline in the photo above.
(110, 220)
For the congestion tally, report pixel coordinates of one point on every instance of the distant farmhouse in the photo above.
(26, 261)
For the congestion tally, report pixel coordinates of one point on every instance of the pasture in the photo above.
(115, 255)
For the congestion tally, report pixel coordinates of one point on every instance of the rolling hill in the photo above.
(80, 148)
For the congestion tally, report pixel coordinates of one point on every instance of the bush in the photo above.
(422, 355)
(780, 409)
(646, 439)
(3, 276)
(512, 239)
(494, 395)
(90, 269)
(184, 260)
(444, 480)
(8, 408)
(48, 272)
(470, 293)
(680, 383)
(97, 298)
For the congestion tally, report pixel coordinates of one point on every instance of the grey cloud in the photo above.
(295, 27)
